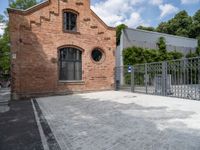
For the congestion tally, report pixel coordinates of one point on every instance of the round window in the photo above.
(97, 55)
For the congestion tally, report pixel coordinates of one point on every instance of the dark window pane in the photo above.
(70, 71)
(67, 21)
(70, 21)
(78, 71)
(73, 22)
(97, 55)
(70, 64)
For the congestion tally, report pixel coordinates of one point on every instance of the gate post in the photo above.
(164, 78)
(146, 82)
(117, 82)
(132, 79)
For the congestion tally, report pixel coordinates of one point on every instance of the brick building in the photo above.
(60, 47)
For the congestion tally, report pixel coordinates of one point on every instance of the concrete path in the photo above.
(4, 99)
(121, 121)
(18, 128)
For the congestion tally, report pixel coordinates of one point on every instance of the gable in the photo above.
(54, 7)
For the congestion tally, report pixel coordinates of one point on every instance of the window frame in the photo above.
(103, 56)
(63, 20)
(72, 61)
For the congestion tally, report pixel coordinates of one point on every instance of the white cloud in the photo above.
(129, 12)
(115, 12)
(2, 26)
(189, 1)
(167, 9)
(156, 2)
(134, 20)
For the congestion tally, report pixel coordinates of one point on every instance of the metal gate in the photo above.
(177, 78)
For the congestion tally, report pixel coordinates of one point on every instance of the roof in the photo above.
(152, 37)
(161, 34)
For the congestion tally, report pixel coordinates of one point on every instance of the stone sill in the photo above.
(71, 82)
(71, 32)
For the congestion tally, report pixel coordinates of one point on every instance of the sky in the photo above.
(135, 12)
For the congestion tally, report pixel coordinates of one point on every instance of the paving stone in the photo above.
(122, 121)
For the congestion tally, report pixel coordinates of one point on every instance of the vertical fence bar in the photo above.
(146, 86)
(177, 78)
(195, 78)
(116, 81)
(132, 79)
(164, 74)
(181, 82)
(184, 66)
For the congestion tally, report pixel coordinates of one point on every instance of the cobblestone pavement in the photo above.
(101, 121)
(121, 121)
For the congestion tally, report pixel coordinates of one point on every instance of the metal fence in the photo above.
(177, 78)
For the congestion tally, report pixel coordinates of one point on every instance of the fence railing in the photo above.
(176, 78)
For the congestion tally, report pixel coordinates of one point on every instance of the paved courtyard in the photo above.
(4, 99)
(114, 120)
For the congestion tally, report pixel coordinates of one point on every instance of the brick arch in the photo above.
(58, 55)
(70, 45)
(70, 10)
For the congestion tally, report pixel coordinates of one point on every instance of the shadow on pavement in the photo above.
(18, 128)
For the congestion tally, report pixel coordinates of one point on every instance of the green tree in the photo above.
(162, 45)
(2, 19)
(196, 16)
(191, 54)
(179, 25)
(146, 28)
(174, 55)
(22, 4)
(163, 27)
(4, 39)
(137, 55)
(119, 29)
(195, 28)
(198, 51)
(4, 52)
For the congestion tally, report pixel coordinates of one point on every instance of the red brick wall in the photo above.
(36, 36)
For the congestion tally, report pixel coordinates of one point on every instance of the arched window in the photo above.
(70, 21)
(70, 64)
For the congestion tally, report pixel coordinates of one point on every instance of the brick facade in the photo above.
(36, 36)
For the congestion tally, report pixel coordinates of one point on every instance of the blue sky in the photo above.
(136, 12)
(141, 12)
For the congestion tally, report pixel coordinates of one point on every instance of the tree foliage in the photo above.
(182, 25)
(4, 40)
(179, 25)
(146, 28)
(22, 4)
(137, 55)
(4, 52)
(162, 45)
(119, 29)
(2, 20)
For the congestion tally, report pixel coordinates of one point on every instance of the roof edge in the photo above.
(95, 15)
(29, 10)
